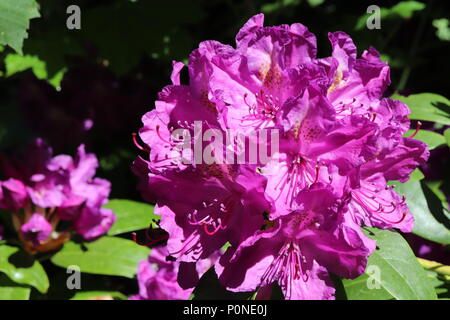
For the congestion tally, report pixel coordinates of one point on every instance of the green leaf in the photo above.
(274, 6)
(11, 291)
(427, 106)
(442, 29)
(15, 63)
(22, 268)
(435, 187)
(432, 139)
(107, 255)
(15, 18)
(402, 10)
(400, 275)
(98, 295)
(417, 175)
(447, 136)
(426, 213)
(315, 3)
(131, 215)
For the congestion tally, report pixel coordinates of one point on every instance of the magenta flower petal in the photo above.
(157, 278)
(13, 194)
(373, 203)
(399, 164)
(36, 230)
(298, 250)
(91, 224)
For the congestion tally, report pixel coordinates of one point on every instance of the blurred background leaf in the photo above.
(442, 29)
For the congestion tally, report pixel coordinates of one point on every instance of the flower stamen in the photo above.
(137, 144)
(419, 124)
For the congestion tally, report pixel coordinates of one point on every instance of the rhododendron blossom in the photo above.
(297, 218)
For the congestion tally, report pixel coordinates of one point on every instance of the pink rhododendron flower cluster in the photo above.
(41, 190)
(297, 218)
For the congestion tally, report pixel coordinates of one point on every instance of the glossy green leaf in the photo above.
(427, 106)
(417, 175)
(131, 215)
(393, 272)
(15, 18)
(15, 63)
(435, 187)
(98, 295)
(107, 255)
(447, 136)
(11, 291)
(426, 215)
(22, 268)
(432, 139)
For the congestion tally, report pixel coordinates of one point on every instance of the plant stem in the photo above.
(435, 266)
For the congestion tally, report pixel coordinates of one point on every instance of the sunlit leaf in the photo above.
(107, 255)
(131, 215)
(447, 136)
(426, 215)
(15, 18)
(15, 63)
(392, 272)
(402, 10)
(11, 291)
(417, 175)
(22, 268)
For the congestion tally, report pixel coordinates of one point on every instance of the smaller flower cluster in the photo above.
(41, 190)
